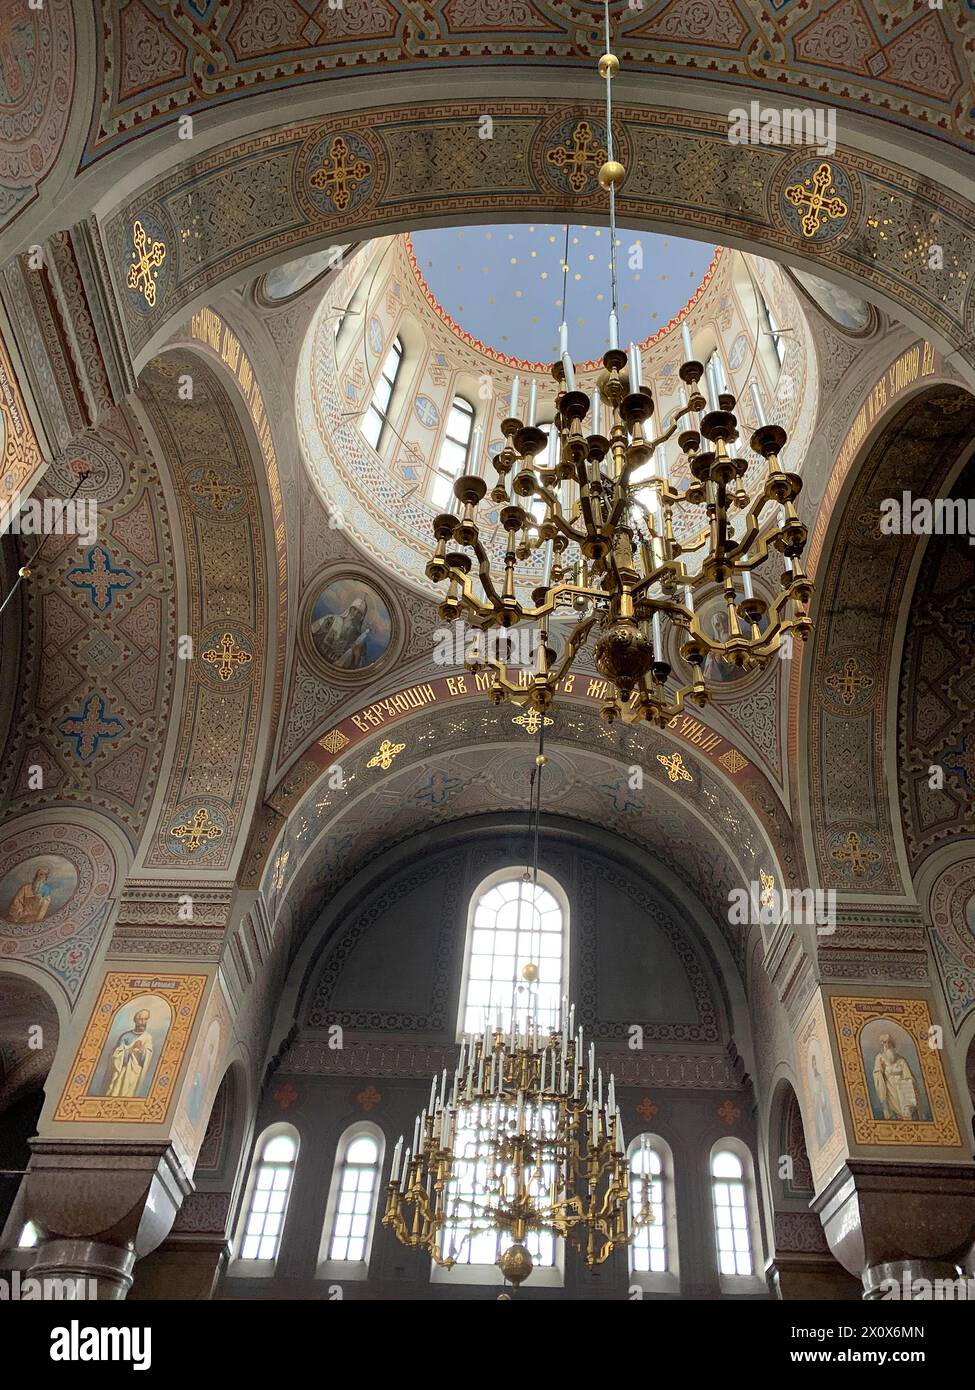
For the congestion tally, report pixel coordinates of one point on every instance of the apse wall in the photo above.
(381, 974)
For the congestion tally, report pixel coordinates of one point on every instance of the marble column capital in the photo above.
(111, 1191)
(877, 1213)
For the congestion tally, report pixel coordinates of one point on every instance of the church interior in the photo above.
(487, 805)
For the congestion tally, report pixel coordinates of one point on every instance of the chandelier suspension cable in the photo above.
(608, 69)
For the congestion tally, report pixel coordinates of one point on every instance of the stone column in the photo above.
(100, 1205)
(899, 1221)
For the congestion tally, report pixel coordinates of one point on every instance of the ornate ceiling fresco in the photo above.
(37, 73)
(464, 759)
(853, 647)
(910, 65)
(936, 707)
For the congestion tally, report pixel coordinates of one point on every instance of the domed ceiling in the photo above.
(500, 287)
(385, 499)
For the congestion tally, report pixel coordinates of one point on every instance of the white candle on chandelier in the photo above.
(532, 403)
(662, 464)
(635, 368)
(553, 446)
(513, 399)
(597, 412)
(475, 456)
(563, 339)
(689, 598)
(712, 377)
(569, 372)
(416, 1133)
(405, 1172)
(746, 583)
(757, 403)
(433, 1093)
(614, 330)
(549, 559)
(685, 338)
(720, 380)
(397, 1155)
(656, 623)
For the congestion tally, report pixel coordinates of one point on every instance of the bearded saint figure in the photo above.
(341, 637)
(893, 1081)
(31, 901)
(131, 1058)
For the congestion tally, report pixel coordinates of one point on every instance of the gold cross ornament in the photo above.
(226, 655)
(146, 256)
(336, 176)
(850, 681)
(580, 157)
(811, 195)
(193, 833)
(531, 721)
(676, 771)
(856, 854)
(387, 752)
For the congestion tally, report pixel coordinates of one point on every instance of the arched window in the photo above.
(376, 418)
(648, 1249)
(732, 1214)
(351, 1215)
(472, 1175)
(271, 1178)
(513, 924)
(455, 448)
(654, 1258)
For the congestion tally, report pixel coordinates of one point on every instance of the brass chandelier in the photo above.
(611, 560)
(524, 1139)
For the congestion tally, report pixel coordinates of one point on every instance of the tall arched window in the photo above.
(455, 448)
(271, 1178)
(376, 418)
(654, 1259)
(351, 1215)
(732, 1214)
(513, 924)
(648, 1249)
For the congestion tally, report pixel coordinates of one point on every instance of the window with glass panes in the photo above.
(473, 1184)
(358, 1186)
(731, 1224)
(454, 451)
(269, 1199)
(513, 924)
(648, 1249)
(376, 418)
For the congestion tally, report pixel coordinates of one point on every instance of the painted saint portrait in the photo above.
(895, 1083)
(37, 888)
(350, 625)
(203, 1076)
(822, 1106)
(132, 1049)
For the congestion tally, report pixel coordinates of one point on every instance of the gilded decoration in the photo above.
(893, 1074)
(254, 198)
(127, 1064)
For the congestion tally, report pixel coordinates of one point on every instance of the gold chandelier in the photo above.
(524, 1140)
(611, 559)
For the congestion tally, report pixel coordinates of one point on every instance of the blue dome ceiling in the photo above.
(502, 285)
